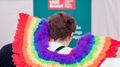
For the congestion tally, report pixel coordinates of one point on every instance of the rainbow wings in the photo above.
(31, 42)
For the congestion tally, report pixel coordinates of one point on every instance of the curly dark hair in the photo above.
(61, 25)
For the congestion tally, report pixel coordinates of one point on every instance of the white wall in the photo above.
(9, 10)
(106, 18)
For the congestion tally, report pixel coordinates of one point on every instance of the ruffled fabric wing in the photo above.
(31, 42)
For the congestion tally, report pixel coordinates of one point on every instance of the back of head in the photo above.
(61, 25)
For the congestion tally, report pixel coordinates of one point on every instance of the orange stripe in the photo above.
(102, 54)
(27, 58)
(28, 61)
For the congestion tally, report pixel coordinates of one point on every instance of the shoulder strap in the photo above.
(59, 48)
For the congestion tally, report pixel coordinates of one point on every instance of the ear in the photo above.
(72, 34)
(70, 37)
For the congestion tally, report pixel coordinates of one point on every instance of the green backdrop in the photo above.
(82, 15)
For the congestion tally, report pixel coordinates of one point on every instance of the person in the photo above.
(61, 27)
(5, 56)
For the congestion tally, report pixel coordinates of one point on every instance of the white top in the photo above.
(54, 45)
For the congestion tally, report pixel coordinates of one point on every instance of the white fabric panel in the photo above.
(9, 10)
(105, 18)
(111, 62)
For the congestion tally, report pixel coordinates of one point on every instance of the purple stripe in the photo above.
(81, 50)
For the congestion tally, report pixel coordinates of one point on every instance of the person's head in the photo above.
(61, 26)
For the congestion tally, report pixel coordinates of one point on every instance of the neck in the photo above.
(64, 42)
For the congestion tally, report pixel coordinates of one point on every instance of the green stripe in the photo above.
(92, 52)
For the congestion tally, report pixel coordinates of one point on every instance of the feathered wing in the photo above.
(31, 42)
(18, 57)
